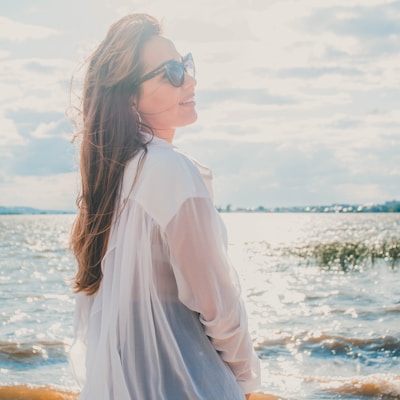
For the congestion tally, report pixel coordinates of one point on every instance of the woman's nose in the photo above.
(189, 80)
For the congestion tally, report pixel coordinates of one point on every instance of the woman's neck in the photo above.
(165, 134)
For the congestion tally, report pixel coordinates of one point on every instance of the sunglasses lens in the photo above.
(175, 74)
(175, 71)
(189, 65)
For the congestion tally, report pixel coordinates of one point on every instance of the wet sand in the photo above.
(25, 392)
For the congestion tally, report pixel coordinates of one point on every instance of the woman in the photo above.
(158, 312)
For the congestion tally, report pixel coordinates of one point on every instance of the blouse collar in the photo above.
(153, 139)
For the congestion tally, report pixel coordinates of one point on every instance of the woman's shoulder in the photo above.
(172, 162)
(164, 162)
(163, 179)
(173, 169)
(167, 156)
(155, 154)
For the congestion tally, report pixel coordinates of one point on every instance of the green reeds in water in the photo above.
(347, 256)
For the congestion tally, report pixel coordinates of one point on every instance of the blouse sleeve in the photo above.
(207, 284)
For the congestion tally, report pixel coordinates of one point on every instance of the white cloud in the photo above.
(9, 135)
(40, 84)
(56, 192)
(45, 130)
(15, 31)
(357, 193)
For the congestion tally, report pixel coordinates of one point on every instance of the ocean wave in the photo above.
(321, 345)
(382, 386)
(392, 310)
(31, 353)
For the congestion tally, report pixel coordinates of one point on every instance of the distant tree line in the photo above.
(387, 207)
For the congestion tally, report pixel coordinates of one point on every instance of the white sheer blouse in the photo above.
(167, 322)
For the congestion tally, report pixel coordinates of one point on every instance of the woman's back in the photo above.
(156, 347)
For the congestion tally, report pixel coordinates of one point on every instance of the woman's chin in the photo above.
(188, 120)
(193, 118)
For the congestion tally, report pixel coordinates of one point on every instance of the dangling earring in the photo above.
(133, 106)
(139, 118)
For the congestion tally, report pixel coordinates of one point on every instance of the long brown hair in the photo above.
(109, 138)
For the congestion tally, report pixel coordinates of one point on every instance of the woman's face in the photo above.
(162, 106)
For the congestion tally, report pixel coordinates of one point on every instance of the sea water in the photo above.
(323, 328)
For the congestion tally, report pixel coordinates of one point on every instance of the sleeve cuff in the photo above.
(250, 386)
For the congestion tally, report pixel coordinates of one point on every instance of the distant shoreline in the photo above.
(387, 207)
(31, 211)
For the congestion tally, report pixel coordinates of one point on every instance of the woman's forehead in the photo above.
(157, 50)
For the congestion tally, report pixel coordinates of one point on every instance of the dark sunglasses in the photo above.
(174, 71)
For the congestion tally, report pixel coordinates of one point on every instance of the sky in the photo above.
(298, 101)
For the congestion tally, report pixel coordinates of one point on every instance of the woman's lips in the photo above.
(188, 100)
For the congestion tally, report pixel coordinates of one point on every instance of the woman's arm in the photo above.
(207, 284)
